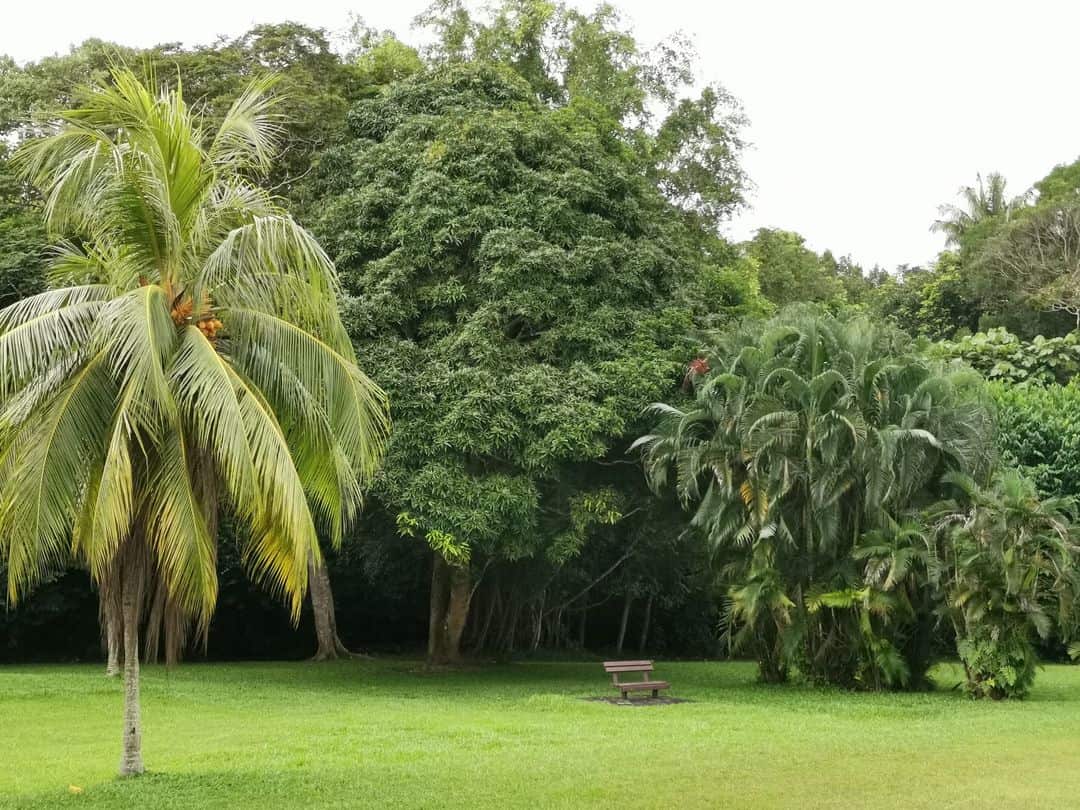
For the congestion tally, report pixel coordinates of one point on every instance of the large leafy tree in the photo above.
(517, 279)
(789, 272)
(189, 358)
(1034, 261)
(806, 445)
(1013, 265)
(687, 137)
(935, 301)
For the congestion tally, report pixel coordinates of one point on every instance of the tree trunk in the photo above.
(645, 624)
(131, 763)
(439, 605)
(110, 611)
(458, 613)
(492, 606)
(329, 644)
(538, 628)
(509, 627)
(114, 631)
(581, 627)
(624, 621)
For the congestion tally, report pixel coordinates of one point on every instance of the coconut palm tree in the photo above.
(982, 201)
(189, 357)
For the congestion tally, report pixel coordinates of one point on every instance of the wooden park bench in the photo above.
(617, 668)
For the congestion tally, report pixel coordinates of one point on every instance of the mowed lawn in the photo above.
(388, 734)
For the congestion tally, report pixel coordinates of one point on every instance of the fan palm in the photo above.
(189, 355)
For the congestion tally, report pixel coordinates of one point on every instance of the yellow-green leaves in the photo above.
(195, 359)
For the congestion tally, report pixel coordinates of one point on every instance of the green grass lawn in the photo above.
(383, 734)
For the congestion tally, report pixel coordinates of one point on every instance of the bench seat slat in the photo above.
(641, 686)
(627, 663)
(629, 669)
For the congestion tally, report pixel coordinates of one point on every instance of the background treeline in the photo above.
(527, 216)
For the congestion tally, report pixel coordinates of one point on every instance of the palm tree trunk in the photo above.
(114, 637)
(329, 644)
(110, 615)
(131, 763)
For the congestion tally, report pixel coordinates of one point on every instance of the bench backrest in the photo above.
(615, 667)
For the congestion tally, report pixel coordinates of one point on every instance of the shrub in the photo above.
(1039, 433)
(999, 662)
(1001, 355)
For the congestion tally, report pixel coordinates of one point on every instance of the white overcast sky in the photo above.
(865, 115)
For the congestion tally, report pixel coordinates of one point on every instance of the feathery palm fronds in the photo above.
(804, 440)
(189, 353)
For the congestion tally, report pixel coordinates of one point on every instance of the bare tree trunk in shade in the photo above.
(439, 606)
(493, 605)
(451, 595)
(624, 621)
(512, 633)
(132, 577)
(457, 611)
(645, 624)
(329, 644)
(538, 627)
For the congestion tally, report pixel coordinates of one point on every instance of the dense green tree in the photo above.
(935, 302)
(1035, 260)
(1060, 186)
(1016, 256)
(789, 272)
(22, 237)
(189, 355)
(518, 282)
(688, 138)
(314, 89)
(314, 85)
(52, 83)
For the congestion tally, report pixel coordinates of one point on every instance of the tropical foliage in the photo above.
(189, 354)
(527, 216)
(1008, 562)
(805, 447)
(1000, 355)
(1039, 433)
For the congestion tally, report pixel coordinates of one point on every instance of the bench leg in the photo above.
(625, 695)
(656, 693)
